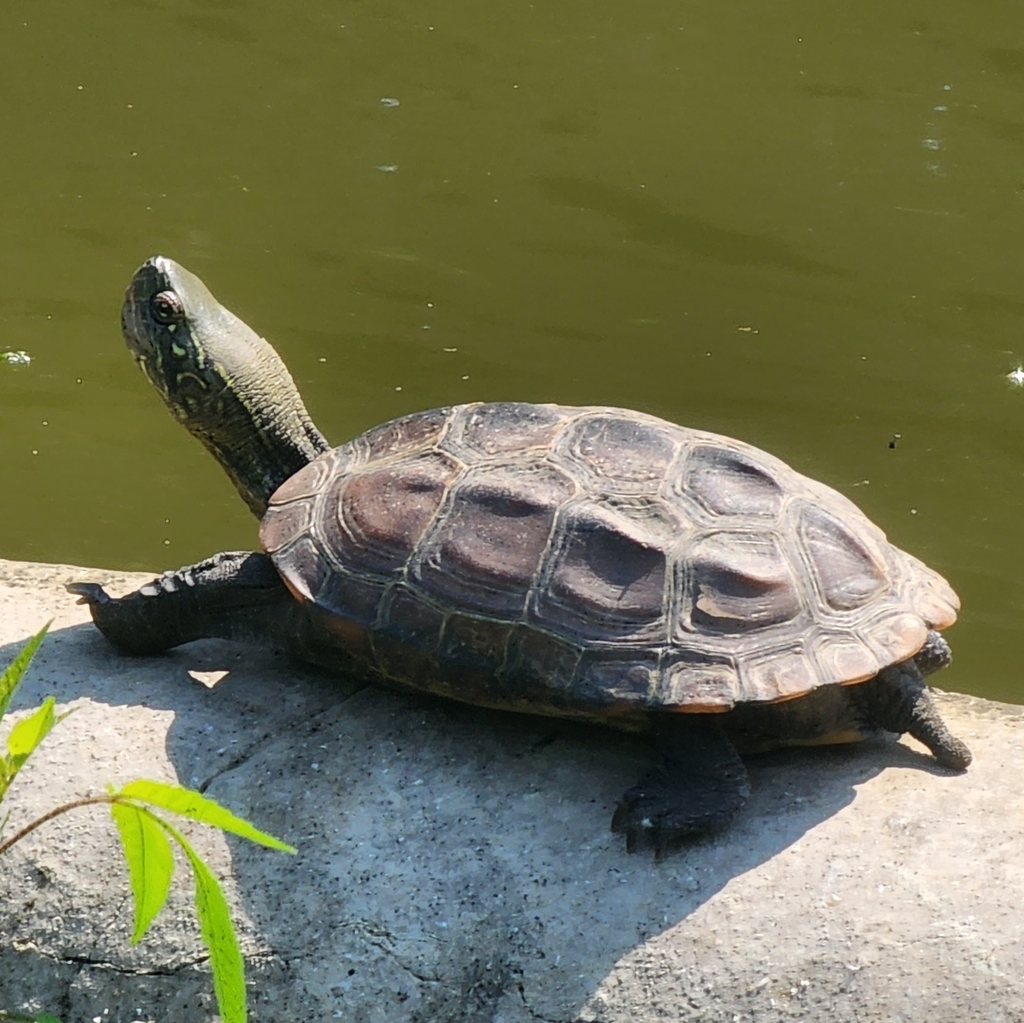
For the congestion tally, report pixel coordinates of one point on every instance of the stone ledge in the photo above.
(456, 865)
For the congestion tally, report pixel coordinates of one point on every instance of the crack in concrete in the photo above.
(376, 936)
(424, 978)
(104, 964)
(243, 757)
(521, 988)
(263, 957)
(381, 938)
(133, 971)
(309, 724)
(533, 1013)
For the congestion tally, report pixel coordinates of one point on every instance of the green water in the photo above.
(796, 225)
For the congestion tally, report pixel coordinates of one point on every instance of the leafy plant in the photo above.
(146, 838)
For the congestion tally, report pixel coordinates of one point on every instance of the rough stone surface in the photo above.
(456, 865)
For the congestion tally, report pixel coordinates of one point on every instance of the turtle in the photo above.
(580, 562)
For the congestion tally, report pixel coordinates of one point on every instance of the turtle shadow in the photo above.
(454, 863)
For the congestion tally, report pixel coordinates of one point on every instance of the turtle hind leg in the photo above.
(899, 701)
(233, 595)
(697, 784)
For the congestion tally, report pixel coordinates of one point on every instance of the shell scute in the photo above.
(417, 432)
(737, 583)
(844, 659)
(849, 570)
(351, 597)
(695, 682)
(474, 644)
(607, 578)
(933, 597)
(484, 553)
(303, 568)
(772, 675)
(502, 428)
(376, 520)
(620, 453)
(539, 667)
(896, 635)
(406, 638)
(410, 618)
(727, 481)
(624, 680)
(283, 522)
(309, 480)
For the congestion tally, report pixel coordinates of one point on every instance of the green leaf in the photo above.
(45, 1017)
(199, 808)
(12, 674)
(218, 935)
(30, 732)
(150, 862)
(25, 736)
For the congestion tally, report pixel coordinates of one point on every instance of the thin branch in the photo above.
(55, 812)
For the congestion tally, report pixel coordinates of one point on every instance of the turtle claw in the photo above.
(641, 831)
(89, 593)
(662, 812)
(118, 618)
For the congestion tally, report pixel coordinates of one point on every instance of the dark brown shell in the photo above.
(592, 561)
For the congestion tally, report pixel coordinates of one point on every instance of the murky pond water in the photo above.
(795, 225)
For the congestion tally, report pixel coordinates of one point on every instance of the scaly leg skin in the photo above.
(696, 786)
(899, 701)
(233, 595)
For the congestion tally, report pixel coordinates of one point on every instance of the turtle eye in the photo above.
(166, 307)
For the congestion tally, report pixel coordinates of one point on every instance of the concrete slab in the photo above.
(456, 865)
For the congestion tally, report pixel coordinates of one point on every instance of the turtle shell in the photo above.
(592, 562)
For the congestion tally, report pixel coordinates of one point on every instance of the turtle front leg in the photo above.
(899, 701)
(697, 784)
(233, 595)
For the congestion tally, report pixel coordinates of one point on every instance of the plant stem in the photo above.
(55, 812)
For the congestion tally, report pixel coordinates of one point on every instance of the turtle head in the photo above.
(219, 379)
(178, 332)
